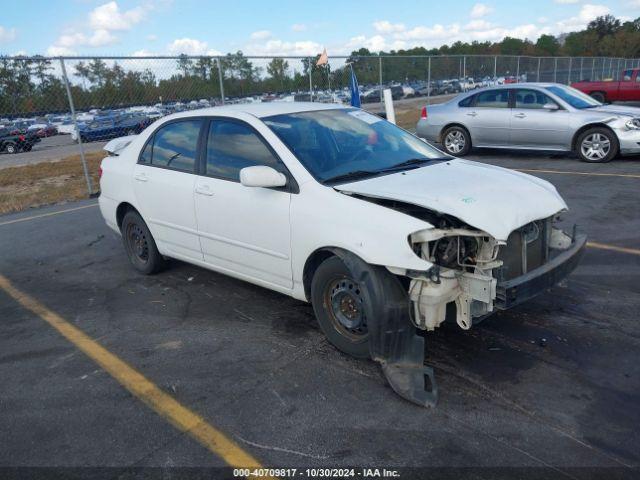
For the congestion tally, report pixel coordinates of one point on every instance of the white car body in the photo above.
(398, 230)
(266, 237)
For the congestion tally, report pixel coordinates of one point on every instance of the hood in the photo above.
(492, 199)
(616, 110)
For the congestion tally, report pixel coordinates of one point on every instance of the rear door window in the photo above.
(174, 146)
(493, 99)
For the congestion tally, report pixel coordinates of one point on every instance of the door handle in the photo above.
(204, 190)
(519, 115)
(141, 177)
(472, 114)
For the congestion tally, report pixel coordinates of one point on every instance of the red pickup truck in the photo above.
(627, 89)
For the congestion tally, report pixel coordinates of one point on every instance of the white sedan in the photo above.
(381, 232)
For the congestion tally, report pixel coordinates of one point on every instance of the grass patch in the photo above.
(408, 119)
(47, 183)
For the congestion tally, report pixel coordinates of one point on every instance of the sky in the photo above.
(283, 27)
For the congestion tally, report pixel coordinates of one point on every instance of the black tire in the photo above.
(333, 283)
(140, 245)
(599, 96)
(595, 136)
(11, 148)
(458, 140)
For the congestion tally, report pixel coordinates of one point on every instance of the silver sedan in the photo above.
(533, 116)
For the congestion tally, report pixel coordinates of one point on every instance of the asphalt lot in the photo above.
(552, 385)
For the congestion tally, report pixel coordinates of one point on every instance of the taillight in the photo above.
(21, 138)
(423, 114)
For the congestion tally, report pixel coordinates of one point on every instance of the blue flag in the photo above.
(355, 91)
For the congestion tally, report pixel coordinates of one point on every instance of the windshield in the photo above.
(334, 144)
(573, 97)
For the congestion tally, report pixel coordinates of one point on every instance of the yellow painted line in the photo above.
(50, 214)
(166, 406)
(613, 248)
(593, 174)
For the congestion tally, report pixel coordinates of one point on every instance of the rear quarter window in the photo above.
(466, 102)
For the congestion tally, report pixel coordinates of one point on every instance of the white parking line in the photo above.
(50, 214)
(592, 174)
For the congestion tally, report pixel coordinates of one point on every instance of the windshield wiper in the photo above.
(413, 162)
(355, 174)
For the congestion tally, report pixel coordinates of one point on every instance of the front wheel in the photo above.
(11, 148)
(598, 96)
(338, 303)
(456, 141)
(597, 145)
(140, 245)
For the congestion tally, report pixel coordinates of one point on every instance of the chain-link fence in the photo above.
(55, 107)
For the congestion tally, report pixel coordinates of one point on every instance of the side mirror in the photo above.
(550, 106)
(262, 176)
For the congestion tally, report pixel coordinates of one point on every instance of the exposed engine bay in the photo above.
(468, 264)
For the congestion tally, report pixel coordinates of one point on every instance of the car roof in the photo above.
(260, 110)
(523, 85)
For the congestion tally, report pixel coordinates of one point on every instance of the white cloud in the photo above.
(102, 21)
(7, 34)
(298, 27)
(279, 47)
(101, 38)
(260, 35)
(152, 37)
(109, 17)
(566, 2)
(587, 13)
(191, 46)
(384, 26)
(480, 10)
(58, 51)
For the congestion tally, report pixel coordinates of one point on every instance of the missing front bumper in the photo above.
(520, 289)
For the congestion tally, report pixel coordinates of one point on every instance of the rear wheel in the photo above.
(597, 145)
(456, 141)
(11, 148)
(599, 96)
(140, 245)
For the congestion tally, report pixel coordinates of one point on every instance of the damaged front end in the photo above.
(478, 274)
(473, 275)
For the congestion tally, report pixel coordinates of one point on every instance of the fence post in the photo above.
(555, 70)
(593, 65)
(75, 126)
(429, 82)
(310, 80)
(518, 69)
(539, 59)
(464, 71)
(220, 80)
(380, 78)
(569, 74)
(495, 68)
(581, 65)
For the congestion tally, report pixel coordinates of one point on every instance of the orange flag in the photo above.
(324, 58)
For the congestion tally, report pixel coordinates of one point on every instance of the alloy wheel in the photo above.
(595, 146)
(454, 142)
